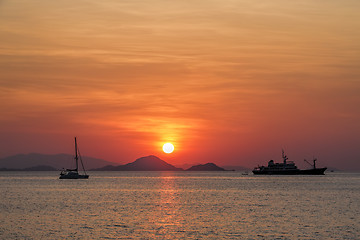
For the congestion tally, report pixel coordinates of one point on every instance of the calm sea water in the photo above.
(179, 205)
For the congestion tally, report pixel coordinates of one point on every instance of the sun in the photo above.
(168, 148)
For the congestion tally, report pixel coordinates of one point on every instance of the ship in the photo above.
(74, 173)
(288, 168)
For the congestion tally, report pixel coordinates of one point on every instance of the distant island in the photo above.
(35, 168)
(47, 162)
(206, 167)
(153, 163)
(149, 163)
(55, 162)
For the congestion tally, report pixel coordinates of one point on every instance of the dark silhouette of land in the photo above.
(153, 163)
(149, 163)
(36, 168)
(38, 162)
(55, 162)
(236, 168)
(206, 167)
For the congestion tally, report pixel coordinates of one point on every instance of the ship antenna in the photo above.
(284, 156)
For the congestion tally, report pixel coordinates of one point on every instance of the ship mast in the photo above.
(76, 155)
(284, 157)
(314, 166)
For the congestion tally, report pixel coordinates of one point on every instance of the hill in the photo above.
(149, 163)
(206, 167)
(36, 168)
(226, 167)
(236, 168)
(57, 161)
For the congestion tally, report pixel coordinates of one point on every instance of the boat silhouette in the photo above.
(287, 168)
(74, 173)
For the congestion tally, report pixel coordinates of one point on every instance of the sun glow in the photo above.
(168, 148)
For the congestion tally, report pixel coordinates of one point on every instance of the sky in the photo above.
(226, 81)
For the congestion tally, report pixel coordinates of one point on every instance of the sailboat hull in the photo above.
(73, 175)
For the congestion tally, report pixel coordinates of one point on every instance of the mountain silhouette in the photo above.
(36, 168)
(50, 162)
(206, 167)
(148, 163)
(236, 168)
(57, 161)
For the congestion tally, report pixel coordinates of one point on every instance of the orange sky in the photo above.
(229, 82)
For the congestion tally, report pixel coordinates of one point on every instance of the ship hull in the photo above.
(314, 171)
(276, 172)
(74, 176)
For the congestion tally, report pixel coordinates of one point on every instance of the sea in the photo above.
(179, 205)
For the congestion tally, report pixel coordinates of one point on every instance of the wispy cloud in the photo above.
(219, 71)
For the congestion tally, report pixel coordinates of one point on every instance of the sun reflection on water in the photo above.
(168, 220)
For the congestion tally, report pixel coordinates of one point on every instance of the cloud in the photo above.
(217, 71)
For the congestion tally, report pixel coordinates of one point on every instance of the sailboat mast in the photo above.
(76, 155)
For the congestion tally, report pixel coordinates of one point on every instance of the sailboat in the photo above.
(74, 173)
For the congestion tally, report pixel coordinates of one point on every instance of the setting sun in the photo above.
(168, 148)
